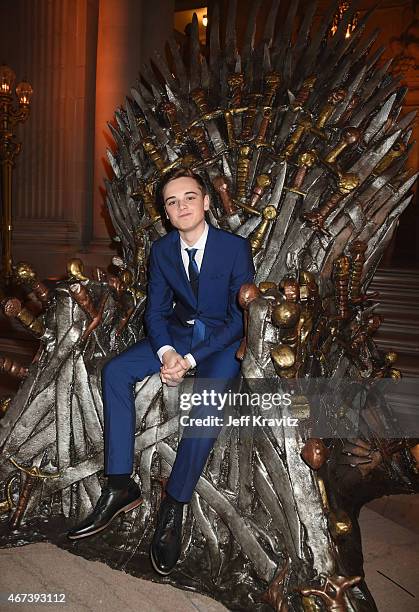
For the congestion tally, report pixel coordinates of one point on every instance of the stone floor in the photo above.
(391, 556)
(392, 550)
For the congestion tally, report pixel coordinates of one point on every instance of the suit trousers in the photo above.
(119, 376)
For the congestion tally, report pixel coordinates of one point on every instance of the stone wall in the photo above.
(82, 57)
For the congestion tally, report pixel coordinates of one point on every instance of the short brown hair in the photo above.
(175, 174)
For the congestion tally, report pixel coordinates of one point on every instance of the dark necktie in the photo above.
(199, 327)
(193, 271)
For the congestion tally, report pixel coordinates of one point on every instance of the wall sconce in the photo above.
(10, 115)
(205, 21)
(7, 79)
(343, 7)
(24, 93)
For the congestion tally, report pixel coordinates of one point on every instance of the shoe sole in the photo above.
(125, 509)
(154, 564)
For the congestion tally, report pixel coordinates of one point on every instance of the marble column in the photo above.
(129, 32)
(82, 57)
(54, 47)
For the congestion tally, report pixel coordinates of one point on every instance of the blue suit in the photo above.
(226, 265)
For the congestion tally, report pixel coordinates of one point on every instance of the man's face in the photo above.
(184, 203)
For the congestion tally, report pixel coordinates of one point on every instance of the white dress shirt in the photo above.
(200, 248)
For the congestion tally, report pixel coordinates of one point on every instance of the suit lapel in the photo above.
(209, 259)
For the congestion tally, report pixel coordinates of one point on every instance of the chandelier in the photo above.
(343, 7)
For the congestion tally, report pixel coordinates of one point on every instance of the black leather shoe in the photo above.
(111, 503)
(167, 539)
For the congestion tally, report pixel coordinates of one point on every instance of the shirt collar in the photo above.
(200, 243)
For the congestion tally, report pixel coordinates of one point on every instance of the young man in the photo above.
(192, 320)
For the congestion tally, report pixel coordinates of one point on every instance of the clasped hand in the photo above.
(174, 368)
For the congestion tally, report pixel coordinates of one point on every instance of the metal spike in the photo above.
(227, 170)
(288, 66)
(375, 80)
(171, 154)
(380, 118)
(308, 61)
(215, 49)
(267, 67)
(406, 136)
(164, 69)
(115, 212)
(367, 162)
(282, 40)
(156, 94)
(140, 99)
(303, 34)
(352, 89)
(124, 156)
(377, 99)
(135, 135)
(113, 163)
(230, 38)
(179, 66)
(205, 77)
(173, 98)
(269, 28)
(144, 92)
(366, 44)
(120, 121)
(401, 94)
(374, 58)
(249, 36)
(152, 122)
(150, 77)
(195, 52)
(348, 45)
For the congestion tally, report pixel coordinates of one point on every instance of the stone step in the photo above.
(398, 304)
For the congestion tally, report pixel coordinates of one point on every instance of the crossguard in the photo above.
(34, 471)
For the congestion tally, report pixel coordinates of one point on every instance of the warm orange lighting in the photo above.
(24, 93)
(7, 79)
(183, 19)
(343, 7)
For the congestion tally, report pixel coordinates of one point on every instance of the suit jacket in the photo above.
(226, 265)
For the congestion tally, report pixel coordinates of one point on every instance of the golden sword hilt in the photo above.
(341, 280)
(357, 249)
(257, 237)
(26, 275)
(198, 134)
(13, 308)
(171, 113)
(303, 94)
(235, 82)
(263, 181)
(272, 81)
(32, 474)
(350, 136)
(394, 153)
(317, 217)
(336, 97)
(304, 162)
(243, 165)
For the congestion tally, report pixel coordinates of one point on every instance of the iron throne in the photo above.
(301, 142)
